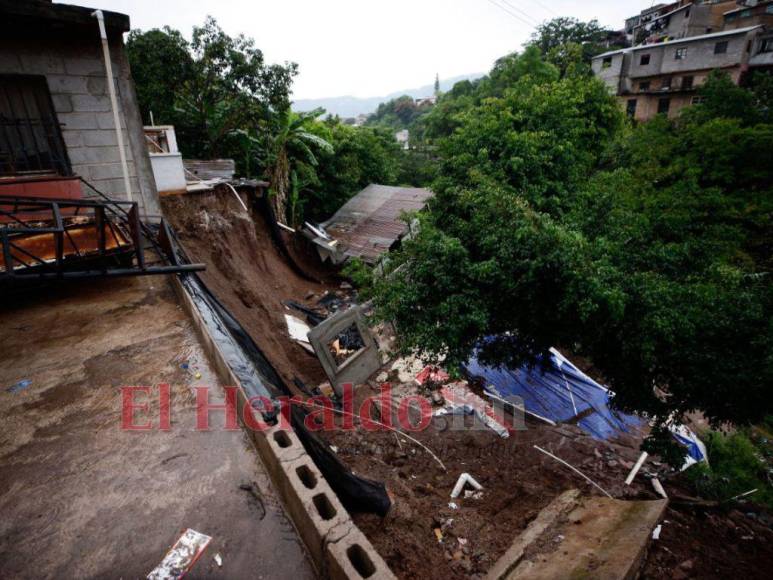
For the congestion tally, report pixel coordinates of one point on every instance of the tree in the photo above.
(567, 42)
(437, 85)
(292, 146)
(161, 63)
(219, 90)
(646, 249)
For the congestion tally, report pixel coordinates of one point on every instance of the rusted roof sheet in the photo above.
(369, 224)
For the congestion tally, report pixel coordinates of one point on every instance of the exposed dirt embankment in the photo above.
(249, 275)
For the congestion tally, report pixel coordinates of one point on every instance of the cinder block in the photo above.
(91, 103)
(95, 86)
(110, 171)
(85, 67)
(78, 120)
(353, 556)
(100, 138)
(62, 103)
(312, 505)
(105, 121)
(72, 139)
(94, 155)
(42, 63)
(67, 85)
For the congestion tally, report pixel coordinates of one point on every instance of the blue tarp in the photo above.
(559, 393)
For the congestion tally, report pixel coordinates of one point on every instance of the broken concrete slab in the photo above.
(582, 537)
(358, 366)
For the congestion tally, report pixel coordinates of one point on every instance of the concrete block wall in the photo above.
(338, 549)
(75, 74)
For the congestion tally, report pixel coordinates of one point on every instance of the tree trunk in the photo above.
(279, 184)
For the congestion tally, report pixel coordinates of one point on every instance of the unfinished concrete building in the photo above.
(681, 44)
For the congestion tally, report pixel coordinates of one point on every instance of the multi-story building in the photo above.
(685, 41)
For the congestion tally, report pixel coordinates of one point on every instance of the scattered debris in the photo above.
(181, 558)
(636, 467)
(297, 329)
(20, 386)
(453, 505)
(438, 535)
(218, 560)
(465, 479)
(658, 487)
(459, 395)
(740, 495)
(656, 532)
(577, 471)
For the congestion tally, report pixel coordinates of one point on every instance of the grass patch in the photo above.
(737, 463)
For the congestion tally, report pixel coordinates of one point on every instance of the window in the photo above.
(769, 9)
(645, 60)
(697, 100)
(644, 86)
(30, 137)
(607, 62)
(680, 54)
(664, 104)
(630, 108)
(687, 82)
(720, 47)
(687, 13)
(665, 84)
(766, 45)
(746, 13)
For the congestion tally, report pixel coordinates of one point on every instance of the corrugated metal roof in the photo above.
(369, 223)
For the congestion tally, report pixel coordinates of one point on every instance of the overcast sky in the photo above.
(371, 48)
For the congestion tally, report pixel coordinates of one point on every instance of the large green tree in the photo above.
(217, 92)
(644, 248)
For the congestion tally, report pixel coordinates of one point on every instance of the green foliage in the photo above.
(735, 467)
(217, 90)
(567, 41)
(161, 62)
(360, 156)
(645, 248)
(397, 114)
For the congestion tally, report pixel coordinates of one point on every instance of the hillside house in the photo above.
(55, 109)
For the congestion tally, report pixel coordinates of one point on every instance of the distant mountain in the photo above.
(353, 106)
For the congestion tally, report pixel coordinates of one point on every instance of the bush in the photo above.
(735, 467)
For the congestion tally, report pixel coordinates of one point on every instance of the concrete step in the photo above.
(582, 537)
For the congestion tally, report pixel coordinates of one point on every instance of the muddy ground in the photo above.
(249, 275)
(253, 279)
(518, 481)
(80, 497)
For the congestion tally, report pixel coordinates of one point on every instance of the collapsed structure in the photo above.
(256, 306)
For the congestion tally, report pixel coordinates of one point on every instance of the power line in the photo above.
(525, 14)
(548, 8)
(512, 14)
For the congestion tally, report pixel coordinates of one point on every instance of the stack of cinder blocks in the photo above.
(336, 546)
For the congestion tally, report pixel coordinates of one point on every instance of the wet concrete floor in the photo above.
(82, 498)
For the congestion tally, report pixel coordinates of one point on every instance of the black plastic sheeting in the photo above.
(259, 378)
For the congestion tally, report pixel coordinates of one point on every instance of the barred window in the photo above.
(30, 136)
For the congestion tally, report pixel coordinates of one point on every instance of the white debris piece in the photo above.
(181, 558)
(656, 532)
(465, 479)
(636, 468)
(218, 560)
(658, 487)
(297, 329)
